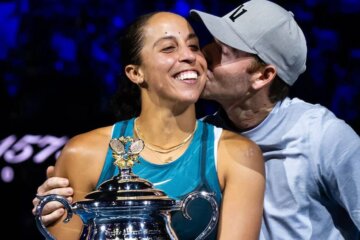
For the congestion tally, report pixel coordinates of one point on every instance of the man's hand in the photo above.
(53, 211)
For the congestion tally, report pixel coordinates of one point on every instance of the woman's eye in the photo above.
(168, 49)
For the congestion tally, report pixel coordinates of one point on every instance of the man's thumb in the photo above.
(50, 171)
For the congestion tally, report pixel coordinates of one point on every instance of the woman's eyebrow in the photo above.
(171, 37)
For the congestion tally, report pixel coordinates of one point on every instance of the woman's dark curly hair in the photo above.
(127, 101)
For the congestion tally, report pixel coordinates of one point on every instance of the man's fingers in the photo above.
(49, 207)
(50, 171)
(52, 183)
(53, 210)
(63, 191)
(52, 217)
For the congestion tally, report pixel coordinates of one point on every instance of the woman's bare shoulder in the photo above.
(241, 149)
(85, 149)
(87, 140)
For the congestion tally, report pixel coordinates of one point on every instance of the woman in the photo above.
(162, 57)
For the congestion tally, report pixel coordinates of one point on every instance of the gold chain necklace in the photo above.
(159, 149)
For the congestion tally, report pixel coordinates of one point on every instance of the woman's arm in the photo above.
(81, 161)
(242, 178)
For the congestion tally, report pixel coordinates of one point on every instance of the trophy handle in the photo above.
(43, 201)
(215, 213)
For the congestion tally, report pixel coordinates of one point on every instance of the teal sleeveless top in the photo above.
(194, 170)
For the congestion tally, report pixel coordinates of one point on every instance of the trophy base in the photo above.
(143, 229)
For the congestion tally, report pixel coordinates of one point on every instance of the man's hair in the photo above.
(278, 90)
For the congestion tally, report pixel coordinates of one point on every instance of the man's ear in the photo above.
(266, 75)
(134, 73)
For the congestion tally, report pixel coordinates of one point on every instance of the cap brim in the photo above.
(221, 30)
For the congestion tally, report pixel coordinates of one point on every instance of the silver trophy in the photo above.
(126, 206)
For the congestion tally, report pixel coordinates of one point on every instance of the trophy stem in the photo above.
(125, 172)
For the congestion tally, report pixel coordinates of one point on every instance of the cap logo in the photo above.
(236, 13)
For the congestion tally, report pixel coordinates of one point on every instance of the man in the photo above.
(312, 158)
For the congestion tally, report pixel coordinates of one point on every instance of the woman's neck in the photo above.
(163, 128)
(166, 137)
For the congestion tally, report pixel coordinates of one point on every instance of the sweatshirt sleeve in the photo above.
(339, 153)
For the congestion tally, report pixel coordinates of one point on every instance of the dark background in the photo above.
(59, 68)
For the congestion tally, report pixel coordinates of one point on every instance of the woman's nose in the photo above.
(187, 55)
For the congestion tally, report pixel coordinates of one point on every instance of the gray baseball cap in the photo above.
(263, 28)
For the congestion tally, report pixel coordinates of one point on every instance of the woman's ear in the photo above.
(134, 73)
(265, 77)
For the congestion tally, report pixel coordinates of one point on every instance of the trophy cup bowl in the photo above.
(127, 206)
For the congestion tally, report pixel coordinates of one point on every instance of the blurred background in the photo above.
(59, 68)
